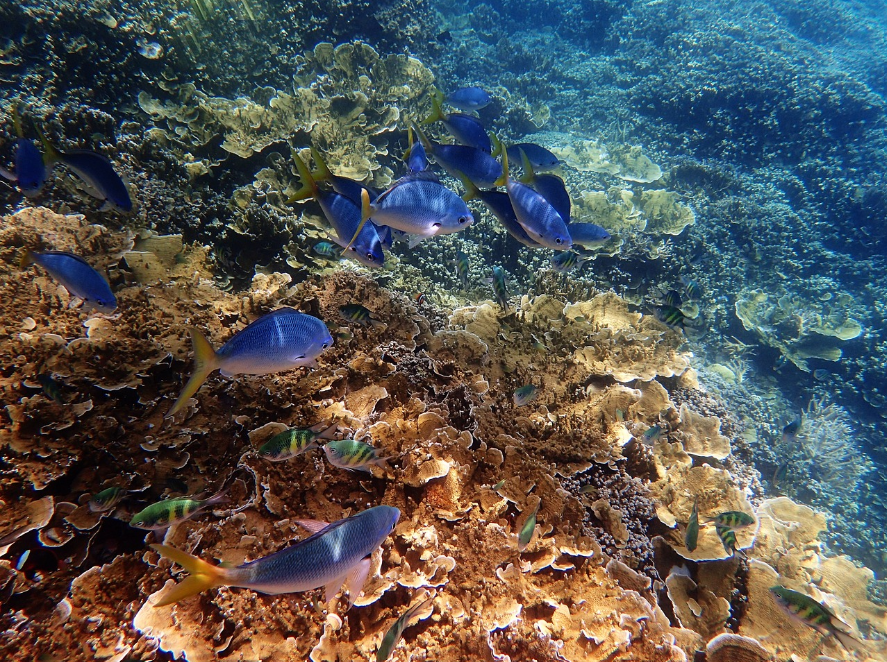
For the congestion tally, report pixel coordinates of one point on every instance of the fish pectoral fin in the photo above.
(331, 589)
(356, 579)
(415, 240)
(312, 525)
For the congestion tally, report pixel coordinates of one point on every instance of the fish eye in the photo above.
(558, 241)
(371, 257)
(325, 345)
(464, 219)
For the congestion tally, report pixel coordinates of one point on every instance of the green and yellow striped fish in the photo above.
(292, 442)
(354, 312)
(734, 519)
(816, 615)
(728, 539)
(172, 511)
(352, 455)
(106, 499)
(526, 531)
(691, 536)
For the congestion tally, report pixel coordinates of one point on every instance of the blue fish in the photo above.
(281, 340)
(500, 287)
(416, 158)
(419, 205)
(466, 129)
(539, 157)
(96, 173)
(525, 395)
(334, 554)
(537, 216)
(468, 98)
(30, 170)
(386, 236)
(344, 216)
(477, 165)
(80, 279)
(500, 205)
(588, 234)
(551, 187)
(342, 185)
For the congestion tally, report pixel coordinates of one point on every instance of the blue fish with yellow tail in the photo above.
(537, 216)
(335, 554)
(281, 340)
(540, 158)
(344, 215)
(469, 98)
(588, 234)
(419, 205)
(77, 276)
(550, 187)
(500, 205)
(477, 165)
(466, 129)
(96, 172)
(30, 170)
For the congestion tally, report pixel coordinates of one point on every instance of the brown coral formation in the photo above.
(466, 470)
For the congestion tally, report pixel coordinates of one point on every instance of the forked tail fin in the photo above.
(204, 363)
(203, 575)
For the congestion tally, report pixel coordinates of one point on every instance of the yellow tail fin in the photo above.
(203, 575)
(436, 112)
(322, 172)
(204, 363)
(309, 186)
(503, 180)
(26, 260)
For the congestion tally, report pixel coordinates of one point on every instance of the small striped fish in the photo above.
(172, 511)
(352, 455)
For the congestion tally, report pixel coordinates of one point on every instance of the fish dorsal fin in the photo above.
(50, 154)
(436, 112)
(406, 154)
(426, 143)
(497, 145)
(17, 121)
(312, 525)
(425, 175)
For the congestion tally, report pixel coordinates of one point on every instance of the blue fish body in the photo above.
(538, 217)
(96, 171)
(468, 130)
(477, 165)
(417, 159)
(326, 558)
(499, 203)
(77, 276)
(351, 189)
(588, 234)
(469, 98)
(344, 216)
(386, 236)
(30, 171)
(422, 207)
(540, 158)
(281, 340)
(553, 189)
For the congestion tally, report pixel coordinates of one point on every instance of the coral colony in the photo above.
(503, 334)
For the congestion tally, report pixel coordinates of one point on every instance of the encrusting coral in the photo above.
(466, 468)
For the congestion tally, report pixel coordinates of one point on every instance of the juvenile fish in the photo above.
(96, 172)
(691, 536)
(527, 530)
(461, 263)
(588, 234)
(395, 632)
(525, 395)
(565, 261)
(537, 216)
(670, 316)
(469, 98)
(819, 617)
(466, 129)
(281, 340)
(734, 519)
(106, 499)
(652, 434)
(500, 288)
(790, 431)
(327, 250)
(295, 441)
(51, 388)
(352, 455)
(694, 289)
(728, 539)
(354, 312)
(335, 553)
(673, 299)
(75, 274)
(344, 216)
(419, 298)
(172, 511)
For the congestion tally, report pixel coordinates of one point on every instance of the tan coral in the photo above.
(697, 608)
(728, 647)
(701, 435)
